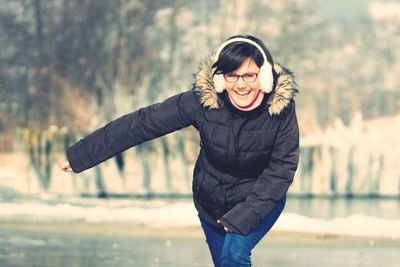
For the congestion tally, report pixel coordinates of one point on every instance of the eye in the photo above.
(231, 75)
(250, 75)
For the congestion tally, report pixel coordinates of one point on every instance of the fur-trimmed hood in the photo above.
(285, 87)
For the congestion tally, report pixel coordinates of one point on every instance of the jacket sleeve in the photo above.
(274, 181)
(145, 124)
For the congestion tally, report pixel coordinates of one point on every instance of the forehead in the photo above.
(247, 65)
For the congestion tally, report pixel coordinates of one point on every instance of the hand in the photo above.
(225, 228)
(66, 167)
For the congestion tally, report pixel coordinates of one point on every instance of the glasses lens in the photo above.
(231, 77)
(250, 77)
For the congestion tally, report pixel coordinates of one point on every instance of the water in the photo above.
(43, 250)
(328, 208)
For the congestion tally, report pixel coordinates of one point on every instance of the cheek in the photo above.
(229, 86)
(256, 86)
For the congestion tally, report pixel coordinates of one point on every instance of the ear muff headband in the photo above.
(266, 76)
(240, 39)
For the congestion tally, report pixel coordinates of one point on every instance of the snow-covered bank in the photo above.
(180, 214)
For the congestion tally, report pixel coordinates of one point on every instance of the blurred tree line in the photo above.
(80, 63)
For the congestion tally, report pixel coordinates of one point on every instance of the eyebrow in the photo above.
(248, 72)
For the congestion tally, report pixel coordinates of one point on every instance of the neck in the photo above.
(253, 104)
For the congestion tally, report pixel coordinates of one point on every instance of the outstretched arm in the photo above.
(145, 124)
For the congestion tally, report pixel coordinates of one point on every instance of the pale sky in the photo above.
(347, 9)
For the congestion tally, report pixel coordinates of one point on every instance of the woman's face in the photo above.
(242, 92)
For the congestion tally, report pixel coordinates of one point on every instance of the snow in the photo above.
(163, 214)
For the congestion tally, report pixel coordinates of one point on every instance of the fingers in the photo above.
(225, 228)
(66, 167)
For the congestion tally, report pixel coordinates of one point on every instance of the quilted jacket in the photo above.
(247, 159)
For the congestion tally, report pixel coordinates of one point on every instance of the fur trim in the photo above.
(285, 88)
(204, 84)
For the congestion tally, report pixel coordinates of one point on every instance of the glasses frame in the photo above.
(241, 76)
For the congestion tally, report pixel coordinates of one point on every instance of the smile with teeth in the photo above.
(243, 93)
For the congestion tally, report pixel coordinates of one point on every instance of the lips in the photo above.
(243, 93)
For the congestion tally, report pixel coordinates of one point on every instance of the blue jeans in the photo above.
(230, 249)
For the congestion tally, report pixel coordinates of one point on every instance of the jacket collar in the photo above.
(285, 88)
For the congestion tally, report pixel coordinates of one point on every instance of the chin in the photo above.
(242, 102)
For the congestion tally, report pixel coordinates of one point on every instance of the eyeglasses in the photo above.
(248, 77)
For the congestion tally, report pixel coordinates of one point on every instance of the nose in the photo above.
(241, 83)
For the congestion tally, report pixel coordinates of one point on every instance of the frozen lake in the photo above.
(80, 232)
(84, 245)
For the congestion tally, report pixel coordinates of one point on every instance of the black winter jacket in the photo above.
(247, 159)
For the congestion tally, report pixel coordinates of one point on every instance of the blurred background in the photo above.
(69, 67)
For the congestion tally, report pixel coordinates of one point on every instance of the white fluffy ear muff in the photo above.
(266, 76)
(219, 82)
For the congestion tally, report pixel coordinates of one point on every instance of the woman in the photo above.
(242, 105)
